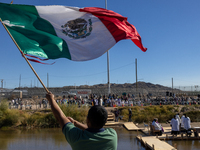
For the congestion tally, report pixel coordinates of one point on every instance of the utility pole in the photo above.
(172, 88)
(108, 66)
(136, 75)
(1, 83)
(47, 80)
(1, 88)
(19, 81)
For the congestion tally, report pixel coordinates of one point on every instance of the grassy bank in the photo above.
(45, 118)
(163, 113)
(39, 118)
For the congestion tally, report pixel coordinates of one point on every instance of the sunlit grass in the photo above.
(46, 119)
(146, 114)
(42, 119)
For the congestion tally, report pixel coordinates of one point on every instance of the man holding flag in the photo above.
(84, 137)
(78, 34)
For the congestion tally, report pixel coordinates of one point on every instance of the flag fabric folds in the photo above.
(56, 31)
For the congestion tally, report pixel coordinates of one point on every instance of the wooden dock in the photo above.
(154, 143)
(112, 123)
(168, 136)
(130, 126)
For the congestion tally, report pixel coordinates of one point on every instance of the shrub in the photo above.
(194, 116)
(3, 105)
(75, 112)
(10, 118)
(47, 120)
(148, 113)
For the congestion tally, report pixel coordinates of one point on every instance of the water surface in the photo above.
(53, 139)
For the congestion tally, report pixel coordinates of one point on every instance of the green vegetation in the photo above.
(8, 117)
(164, 113)
(45, 118)
(194, 115)
(34, 119)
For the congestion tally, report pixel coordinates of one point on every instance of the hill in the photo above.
(101, 89)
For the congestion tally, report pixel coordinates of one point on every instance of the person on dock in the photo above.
(186, 122)
(130, 115)
(116, 115)
(175, 125)
(157, 126)
(84, 137)
(187, 126)
(182, 124)
(178, 117)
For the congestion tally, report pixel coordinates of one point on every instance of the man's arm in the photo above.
(78, 124)
(58, 113)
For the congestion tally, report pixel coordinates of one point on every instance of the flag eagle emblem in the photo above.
(78, 28)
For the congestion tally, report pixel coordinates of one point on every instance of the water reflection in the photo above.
(42, 139)
(127, 140)
(186, 144)
(53, 139)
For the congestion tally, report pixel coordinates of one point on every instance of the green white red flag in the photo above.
(56, 31)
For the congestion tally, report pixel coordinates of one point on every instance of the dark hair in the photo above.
(97, 116)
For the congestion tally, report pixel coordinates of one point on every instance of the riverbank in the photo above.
(43, 118)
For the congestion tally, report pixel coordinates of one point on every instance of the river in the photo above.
(53, 139)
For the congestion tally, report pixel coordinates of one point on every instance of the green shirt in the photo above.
(86, 140)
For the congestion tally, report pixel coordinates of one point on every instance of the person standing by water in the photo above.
(186, 122)
(84, 137)
(182, 124)
(116, 115)
(175, 125)
(187, 126)
(130, 115)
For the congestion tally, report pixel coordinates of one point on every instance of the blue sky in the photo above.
(170, 29)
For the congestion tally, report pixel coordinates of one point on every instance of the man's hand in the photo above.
(71, 119)
(49, 96)
(77, 124)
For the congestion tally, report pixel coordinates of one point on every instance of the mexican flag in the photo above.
(78, 34)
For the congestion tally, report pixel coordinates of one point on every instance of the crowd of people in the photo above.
(108, 101)
(127, 100)
(18, 103)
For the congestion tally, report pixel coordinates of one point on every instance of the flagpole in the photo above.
(108, 66)
(25, 58)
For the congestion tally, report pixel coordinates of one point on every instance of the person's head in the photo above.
(185, 115)
(97, 117)
(175, 117)
(155, 119)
